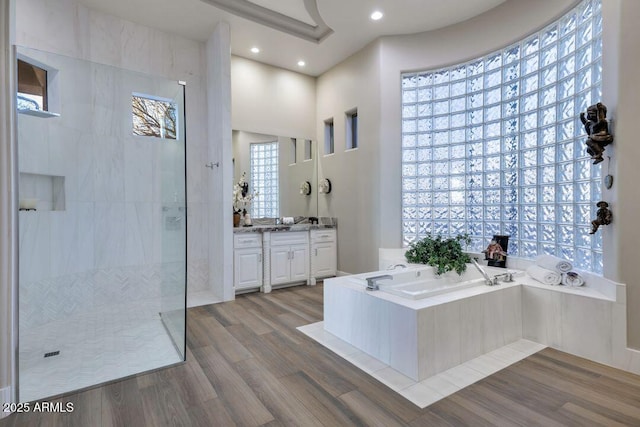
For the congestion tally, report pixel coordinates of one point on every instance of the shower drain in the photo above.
(53, 353)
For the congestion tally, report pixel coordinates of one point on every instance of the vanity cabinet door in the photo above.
(324, 253)
(299, 262)
(325, 259)
(247, 268)
(280, 264)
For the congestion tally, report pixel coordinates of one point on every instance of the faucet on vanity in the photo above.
(492, 281)
(372, 282)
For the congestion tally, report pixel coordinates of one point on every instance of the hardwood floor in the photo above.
(247, 365)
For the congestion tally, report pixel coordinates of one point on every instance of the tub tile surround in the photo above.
(490, 326)
(438, 332)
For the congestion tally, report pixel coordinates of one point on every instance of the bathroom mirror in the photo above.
(296, 159)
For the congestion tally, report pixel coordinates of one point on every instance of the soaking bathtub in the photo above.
(421, 324)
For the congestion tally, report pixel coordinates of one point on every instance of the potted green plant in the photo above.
(445, 254)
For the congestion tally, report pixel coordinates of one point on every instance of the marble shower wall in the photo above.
(106, 196)
(109, 244)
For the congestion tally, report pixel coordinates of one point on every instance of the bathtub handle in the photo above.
(372, 282)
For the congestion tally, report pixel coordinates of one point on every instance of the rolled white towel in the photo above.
(572, 279)
(287, 220)
(551, 262)
(543, 275)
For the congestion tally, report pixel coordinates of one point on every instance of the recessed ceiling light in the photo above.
(301, 63)
(377, 15)
(255, 50)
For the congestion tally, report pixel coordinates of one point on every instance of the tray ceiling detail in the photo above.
(277, 19)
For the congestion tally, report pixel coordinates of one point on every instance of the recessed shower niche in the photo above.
(41, 192)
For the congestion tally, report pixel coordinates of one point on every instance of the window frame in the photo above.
(163, 132)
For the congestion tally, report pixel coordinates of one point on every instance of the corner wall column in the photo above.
(218, 54)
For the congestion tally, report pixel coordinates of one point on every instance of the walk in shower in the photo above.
(102, 221)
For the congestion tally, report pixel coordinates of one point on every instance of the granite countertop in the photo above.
(273, 227)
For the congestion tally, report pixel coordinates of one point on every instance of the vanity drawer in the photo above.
(323, 235)
(289, 238)
(247, 240)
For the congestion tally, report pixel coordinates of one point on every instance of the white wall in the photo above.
(354, 174)
(292, 203)
(271, 100)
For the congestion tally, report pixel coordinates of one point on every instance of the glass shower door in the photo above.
(174, 228)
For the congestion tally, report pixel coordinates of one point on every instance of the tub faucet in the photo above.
(372, 282)
(487, 279)
(506, 277)
(394, 266)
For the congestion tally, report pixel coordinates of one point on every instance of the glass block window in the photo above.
(496, 146)
(264, 179)
(154, 116)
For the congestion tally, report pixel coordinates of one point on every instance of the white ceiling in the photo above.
(349, 20)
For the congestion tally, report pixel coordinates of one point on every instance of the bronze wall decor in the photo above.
(597, 127)
(603, 216)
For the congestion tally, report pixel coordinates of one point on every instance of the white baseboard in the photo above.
(5, 397)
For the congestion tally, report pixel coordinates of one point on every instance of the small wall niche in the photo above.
(41, 192)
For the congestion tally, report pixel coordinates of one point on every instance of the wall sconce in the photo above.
(305, 188)
(324, 186)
